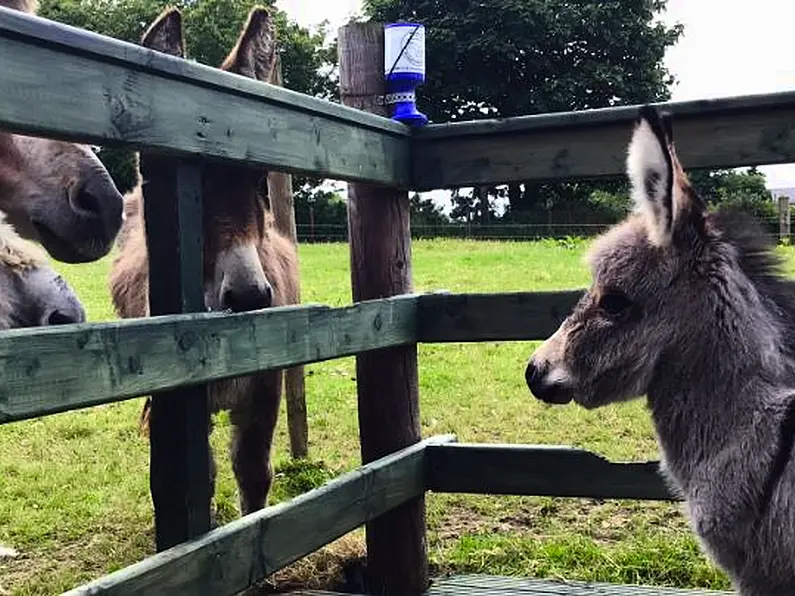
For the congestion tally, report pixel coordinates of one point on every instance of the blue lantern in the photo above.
(404, 66)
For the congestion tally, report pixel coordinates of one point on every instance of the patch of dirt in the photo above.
(603, 521)
(459, 520)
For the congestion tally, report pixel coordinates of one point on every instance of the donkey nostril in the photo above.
(530, 374)
(58, 317)
(247, 299)
(86, 203)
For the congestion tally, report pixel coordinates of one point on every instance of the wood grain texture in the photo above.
(179, 448)
(539, 470)
(91, 364)
(387, 385)
(726, 132)
(249, 549)
(492, 317)
(95, 89)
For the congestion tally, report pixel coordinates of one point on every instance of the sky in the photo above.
(729, 47)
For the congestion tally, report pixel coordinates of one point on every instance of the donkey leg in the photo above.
(254, 421)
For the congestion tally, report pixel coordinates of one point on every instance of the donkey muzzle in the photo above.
(542, 387)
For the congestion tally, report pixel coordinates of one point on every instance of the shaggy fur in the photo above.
(689, 308)
(247, 265)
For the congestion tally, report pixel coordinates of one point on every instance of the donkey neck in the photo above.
(727, 385)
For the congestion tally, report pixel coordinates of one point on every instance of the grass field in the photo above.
(74, 497)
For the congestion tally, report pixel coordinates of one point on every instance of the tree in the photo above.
(424, 212)
(211, 30)
(515, 57)
(744, 190)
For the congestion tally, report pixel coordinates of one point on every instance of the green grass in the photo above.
(74, 496)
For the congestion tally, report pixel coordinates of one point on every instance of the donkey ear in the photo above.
(255, 54)
(650, 171)
(165, 34)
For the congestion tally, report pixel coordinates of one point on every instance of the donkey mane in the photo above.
(758, 261)
(17, 253)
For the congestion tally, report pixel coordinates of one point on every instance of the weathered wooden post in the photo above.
(179, 419)
(380, 248)
(280, 194)
(783, 219)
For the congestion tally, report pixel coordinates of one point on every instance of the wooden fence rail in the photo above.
(725, 132)
(44, 371)
(49, 370)
(239, 554)
(250, 549)
(92, 88)
(540, 470)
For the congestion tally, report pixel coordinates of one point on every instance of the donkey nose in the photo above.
(86, 203)
(99, 201)
(63, 317)
(247, 299)
(538, 381)
(531, 377)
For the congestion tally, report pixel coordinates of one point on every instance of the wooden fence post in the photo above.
(783, 218)
(178, 425)
(380, 248)
(280, 195)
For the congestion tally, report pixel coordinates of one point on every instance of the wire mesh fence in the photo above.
(472, 231)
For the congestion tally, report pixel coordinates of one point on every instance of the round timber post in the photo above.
(380, 249)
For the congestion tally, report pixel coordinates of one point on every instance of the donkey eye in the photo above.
(614, 303)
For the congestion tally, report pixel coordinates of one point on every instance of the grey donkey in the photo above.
(688, 307)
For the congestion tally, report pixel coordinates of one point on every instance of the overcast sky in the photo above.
(730, 47)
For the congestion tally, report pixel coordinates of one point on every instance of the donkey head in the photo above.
(58, 193)
(666, 281)
(234, 212)
(31, 293)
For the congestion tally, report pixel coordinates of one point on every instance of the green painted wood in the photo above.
(540, 470)
(49, 370)
(735, 131)
(483, 585)
(492, 317)
(179, 418)
(247, 550)
(91, 88)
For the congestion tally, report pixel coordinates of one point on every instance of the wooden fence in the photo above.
(93, 89)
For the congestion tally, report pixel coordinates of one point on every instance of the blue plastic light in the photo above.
(404, 66)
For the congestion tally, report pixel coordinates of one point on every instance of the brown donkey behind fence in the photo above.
(247, 264)
(57, 193)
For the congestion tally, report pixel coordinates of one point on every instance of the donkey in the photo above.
(58, 193)
(247, 264)
(31, 293)
(689, 308)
